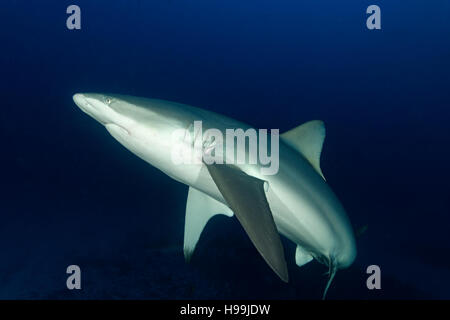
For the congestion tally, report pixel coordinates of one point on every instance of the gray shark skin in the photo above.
(295, 202)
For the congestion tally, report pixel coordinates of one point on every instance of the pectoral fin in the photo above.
(199, 209)
(246, 197)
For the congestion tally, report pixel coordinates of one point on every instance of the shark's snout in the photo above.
(98, 106)
(93, 105)
(82, 101)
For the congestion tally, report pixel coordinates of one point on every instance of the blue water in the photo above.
(70, 194)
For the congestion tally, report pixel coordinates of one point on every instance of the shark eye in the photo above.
(108, 101)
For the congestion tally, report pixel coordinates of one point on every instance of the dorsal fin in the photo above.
(308, 140)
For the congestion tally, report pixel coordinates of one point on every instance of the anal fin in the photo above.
(301, 256)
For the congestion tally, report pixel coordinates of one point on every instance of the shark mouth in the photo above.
(116, 129)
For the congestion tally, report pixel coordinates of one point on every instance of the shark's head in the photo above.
(112, 111)
(126, 113)
(144, 126)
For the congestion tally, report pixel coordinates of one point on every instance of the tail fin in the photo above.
(332, 273)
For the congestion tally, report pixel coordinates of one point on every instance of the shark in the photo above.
(295, 201)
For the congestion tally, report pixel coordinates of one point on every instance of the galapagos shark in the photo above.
(295, 201)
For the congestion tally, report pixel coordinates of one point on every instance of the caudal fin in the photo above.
(332, 273)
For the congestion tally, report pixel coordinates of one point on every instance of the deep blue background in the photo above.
(70, 194)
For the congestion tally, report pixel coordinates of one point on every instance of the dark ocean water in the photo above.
(70, 194)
